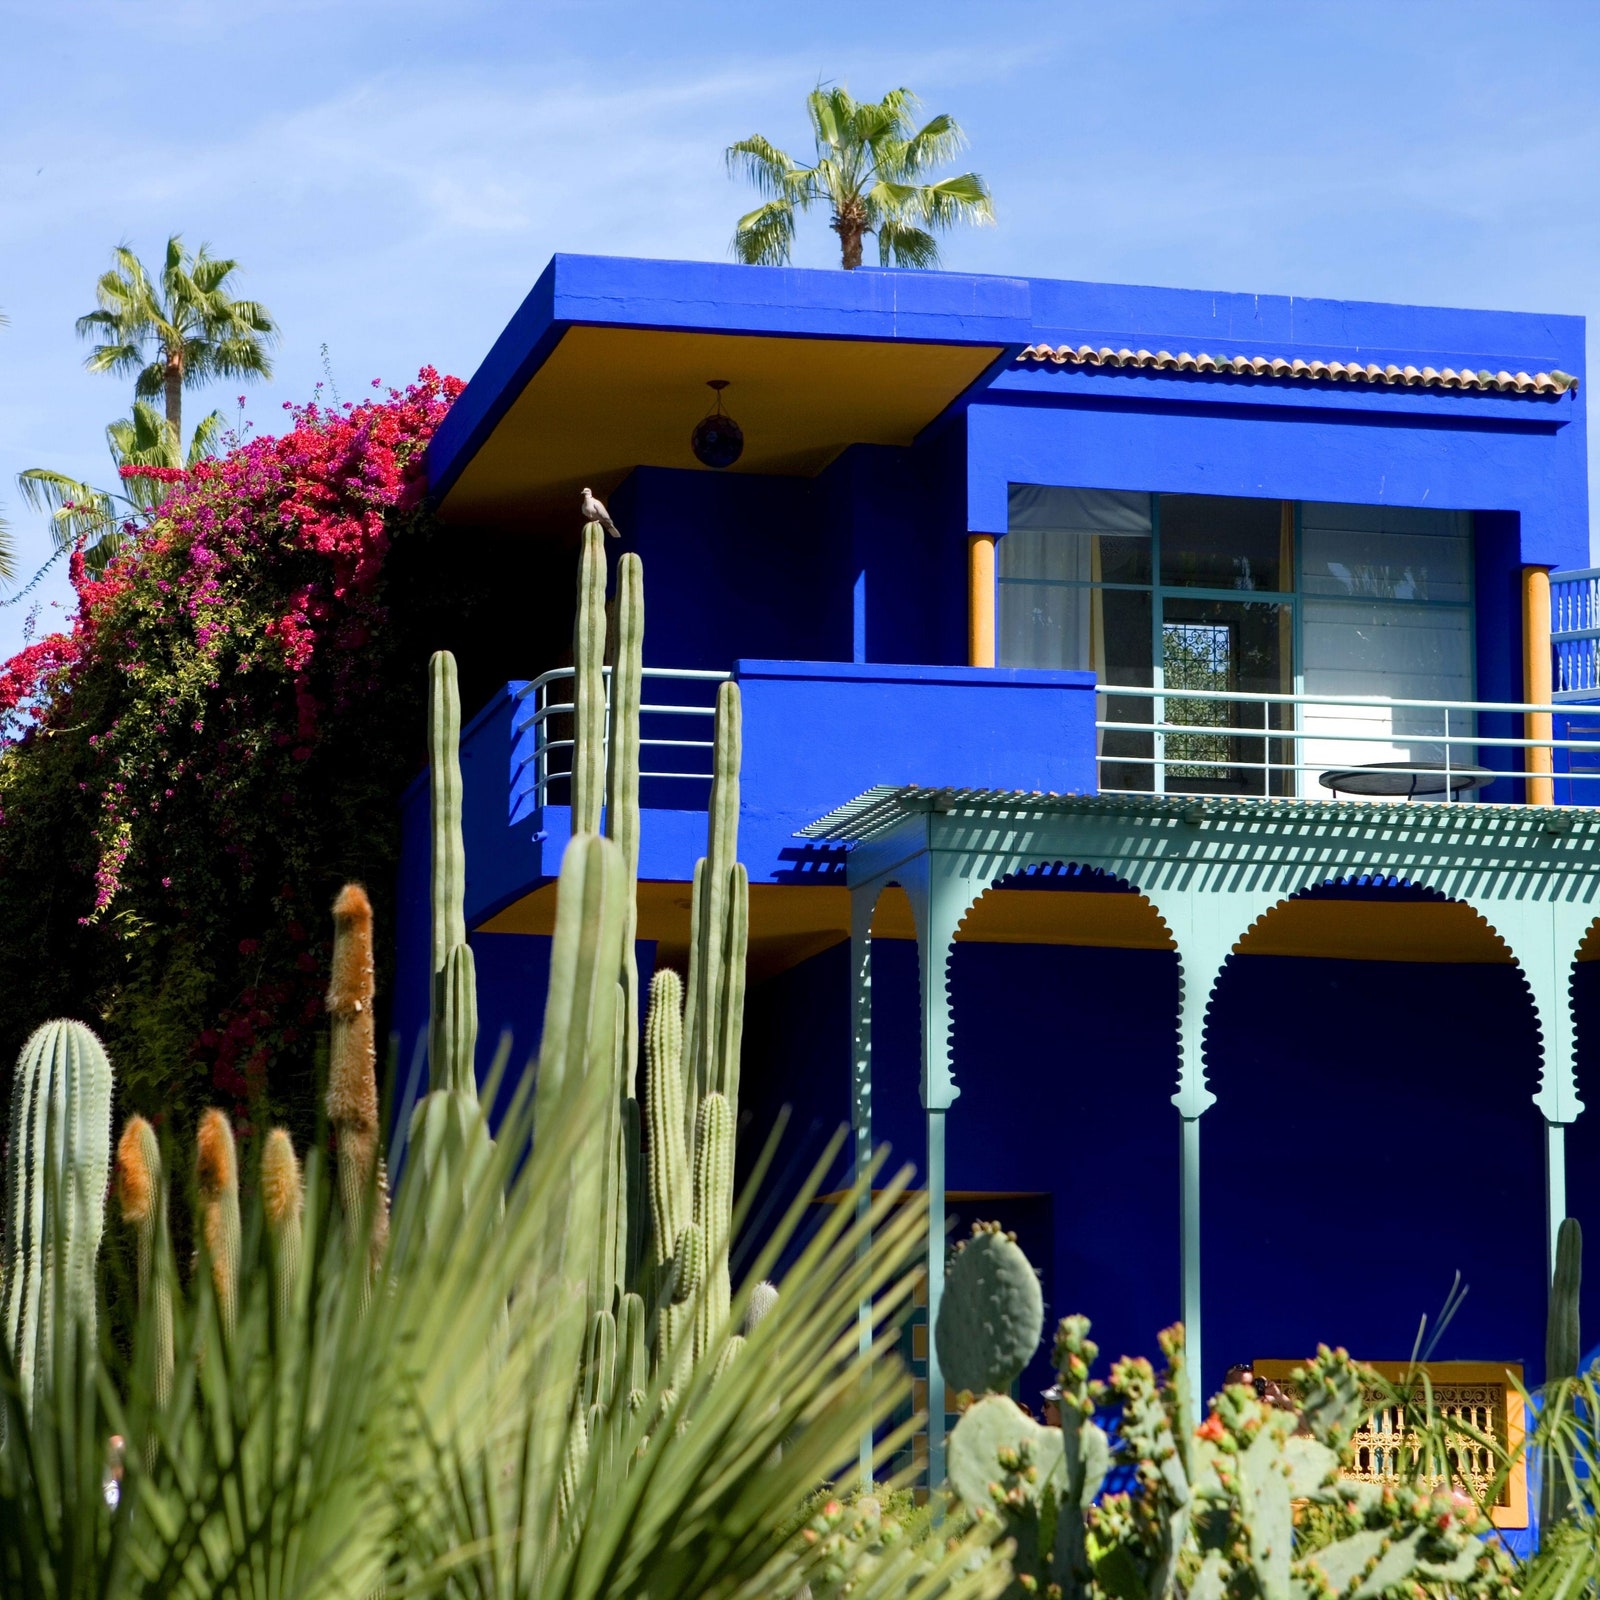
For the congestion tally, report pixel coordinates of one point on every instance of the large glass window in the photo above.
(1146, 591)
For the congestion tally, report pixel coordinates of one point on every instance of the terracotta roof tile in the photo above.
(1538, 383)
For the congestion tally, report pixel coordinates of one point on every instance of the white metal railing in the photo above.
(669, 692)
(1575, 632)
(1237, 742)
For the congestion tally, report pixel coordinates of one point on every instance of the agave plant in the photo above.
(312, 1437)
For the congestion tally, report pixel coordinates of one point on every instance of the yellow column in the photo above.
(980, 599)
(1538, 764)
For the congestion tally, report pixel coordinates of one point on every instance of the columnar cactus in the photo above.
(142, 1196)
(453, 1018)
(58, 1160)
(448, 1138)
(713, 1209)
(684, 1203)
(991, 1315)
(282, 1203)
(352, 1098)
(217, 1179)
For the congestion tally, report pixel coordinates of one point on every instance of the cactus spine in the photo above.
(142, 1195)
(282, 1203)
(58, 1161)
(353, 1072)
(217, 1174)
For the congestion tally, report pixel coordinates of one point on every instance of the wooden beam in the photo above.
(1539, 764)
(980, 599)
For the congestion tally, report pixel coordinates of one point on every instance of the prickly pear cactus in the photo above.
(991, 1315)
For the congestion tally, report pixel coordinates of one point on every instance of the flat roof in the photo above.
(604, 365)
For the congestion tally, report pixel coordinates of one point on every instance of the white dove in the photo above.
(593, 511)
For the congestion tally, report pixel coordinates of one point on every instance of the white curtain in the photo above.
(1053, 547)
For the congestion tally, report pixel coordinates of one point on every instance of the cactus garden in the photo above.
(522, 1363)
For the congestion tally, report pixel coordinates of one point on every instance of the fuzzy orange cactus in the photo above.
(136, 1182)
(282, 1201)
(352, 1099)
(217, 1176)
(142, 1196)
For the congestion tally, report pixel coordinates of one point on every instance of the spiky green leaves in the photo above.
(991, 1315)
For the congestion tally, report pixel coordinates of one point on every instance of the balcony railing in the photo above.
(1575, 632)
(1206, 741)
(676, 701)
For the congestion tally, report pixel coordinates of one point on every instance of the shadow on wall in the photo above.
(1374, 1132)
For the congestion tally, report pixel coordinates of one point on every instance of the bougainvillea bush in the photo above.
(213, 744)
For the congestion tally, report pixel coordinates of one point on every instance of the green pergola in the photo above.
(1211, 868)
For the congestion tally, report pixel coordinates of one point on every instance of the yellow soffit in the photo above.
(790, 923)
(609, 399)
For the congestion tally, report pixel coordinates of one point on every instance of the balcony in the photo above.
(1311, 746)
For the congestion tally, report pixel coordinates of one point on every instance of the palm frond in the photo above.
(765, 237)
(204, 440)
(961, 199)
(938, 140)
(75, 509)
(903, 244)
(774, 172)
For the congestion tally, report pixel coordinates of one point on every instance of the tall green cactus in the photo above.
(142, 1195)
(684, 1202)
(453, 1016)
(58, 1160)
(447, 1134)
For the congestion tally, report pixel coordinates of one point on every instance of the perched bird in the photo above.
(593, 511)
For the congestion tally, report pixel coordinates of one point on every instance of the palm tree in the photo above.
(77, 510)
(177, 332)
(869, 166)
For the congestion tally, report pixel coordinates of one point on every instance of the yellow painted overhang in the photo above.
(609, 399)
(791, 923)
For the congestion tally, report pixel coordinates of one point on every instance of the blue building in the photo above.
(1068, 619)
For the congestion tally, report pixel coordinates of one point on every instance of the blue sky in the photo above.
(395, 174)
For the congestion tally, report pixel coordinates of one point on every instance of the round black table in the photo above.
(1406, 780)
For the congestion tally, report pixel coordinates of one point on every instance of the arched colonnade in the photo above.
(1212, 869)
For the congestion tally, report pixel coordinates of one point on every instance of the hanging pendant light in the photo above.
(717, 441)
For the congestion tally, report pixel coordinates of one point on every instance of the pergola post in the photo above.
(862, 902)
(939, 899)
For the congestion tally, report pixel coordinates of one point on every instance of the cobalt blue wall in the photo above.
(1067, 1059)
(1374, 1131)
(735, 565)
(1583, 1138)
(817, 735)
